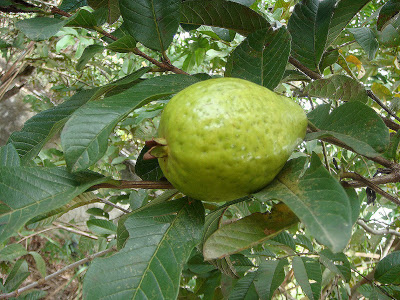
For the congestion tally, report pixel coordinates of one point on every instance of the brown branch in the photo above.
(305, 70)
(370, 184)
(55, 274)
(381, 104)
(125, 184)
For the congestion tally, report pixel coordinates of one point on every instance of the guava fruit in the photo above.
(221, 139)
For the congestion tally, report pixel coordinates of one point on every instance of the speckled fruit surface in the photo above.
(226, 138)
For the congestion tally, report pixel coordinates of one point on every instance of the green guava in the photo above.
(221, 139)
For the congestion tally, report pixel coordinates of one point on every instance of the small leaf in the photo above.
(309, 275)
(248, 231)
(304, 241)
(337, 263)
(353, 123)
(224, 14)
(83, 18)
(85, 135)
(151, 22)
(344, 12)
(125, 44)
(337, 87)
(30, 191)
(9, 156)
(17, 275)
(326, 214)
(148, 169)
(40, 263)
(244, 288)
(270, 276)
(286, 239)
(40, 28)
(308, 26)
(388, 269)
(261, 58)
(161, 239)
(112, 7)
(365, 37)
(72, 5)
(101, 227)
(12, 251)
(89, 52)
(389, 10)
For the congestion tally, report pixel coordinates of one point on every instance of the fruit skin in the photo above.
(227, 138)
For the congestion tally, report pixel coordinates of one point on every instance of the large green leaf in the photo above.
(40, 28)
(318, 200)
(248, 231)
(388, 11)
(244, 288)
(224, 14)
(337, 87)
(270, 276)
(344, 12)
(111, 6)
(149, 266)
(85, 135)
(261, 58)
(42, 127)
(337, 263)
(151, 22)
(366, 38)
(308, 26)
(388, 269)
(355, 124)
(9, 156)
(309, 275)
(26, 192)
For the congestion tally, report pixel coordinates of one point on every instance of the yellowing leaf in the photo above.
(381, 91)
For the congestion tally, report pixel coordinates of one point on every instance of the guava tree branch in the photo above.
(375, 231)
(164, 65)
(55, 274)
(357, 177)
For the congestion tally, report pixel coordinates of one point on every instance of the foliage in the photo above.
(326, 227)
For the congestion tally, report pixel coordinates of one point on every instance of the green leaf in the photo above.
(72, 5)
(337, 87)
(304, 241)
(40, 263)
(17, 275)
(112, 7)
(27, 192)
(85, 135)
(42, 127)
(224, 14)
(308, 26)
(151, 22)
(9, 156)
(270, 276)
(390, 35)
(125, 44)
(353, 123)
(389, 10)
(101, 227)
(89, 52)
(248, 231)
(161, 239)
(40, 28)
(244, 288)
(82, 18)
(148, 169)
(344, 12)
(286, 239)
(326, 213)
(261, 58)
(12, 251)
(355, 203)
(337, 263)
(309, 275)
(388, 269)
(366, 38)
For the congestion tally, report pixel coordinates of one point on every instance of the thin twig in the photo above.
(76, 231)
(377, 232)
(381, 104)
(114, 205)
(55, 274)
(125, 184)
